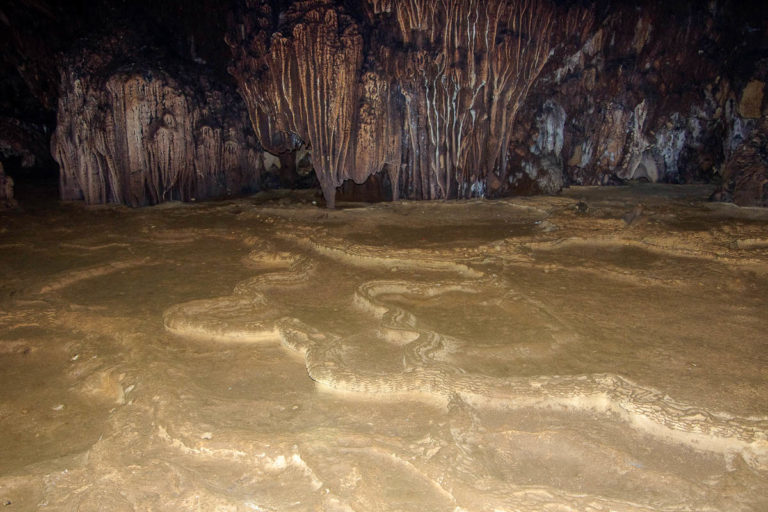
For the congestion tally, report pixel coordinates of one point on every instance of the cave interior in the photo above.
(343, 255)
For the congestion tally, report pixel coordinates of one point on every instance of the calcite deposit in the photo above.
(429, 91)
(600, 350)
(483, 99)
(134, 128)
(412, 99)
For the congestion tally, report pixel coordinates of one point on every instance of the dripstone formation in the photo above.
(429, 91)
(135, 131)
(427, 99)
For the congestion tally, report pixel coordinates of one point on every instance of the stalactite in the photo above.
(379, 134)
(433, 91)
(304, 80)
(443, 95)
(439, 104)
(467, 68)
(261, 85)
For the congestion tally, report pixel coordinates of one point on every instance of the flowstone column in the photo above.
(300, 80)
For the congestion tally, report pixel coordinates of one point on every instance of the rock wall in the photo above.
(429, 89)
(25, 143)
(653, 94)
(31, 34)
(745, 177)
(449, 98)
(483, 99)
(136, 129)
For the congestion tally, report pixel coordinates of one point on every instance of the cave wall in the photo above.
(483, 99)
(450, 98)
(30, 35)
(745, 175)
(136, 128)
(24, 144)
(666, 94)
(429, 89)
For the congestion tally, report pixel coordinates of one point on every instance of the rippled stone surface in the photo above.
(601, 350)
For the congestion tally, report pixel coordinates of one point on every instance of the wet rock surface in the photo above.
(527, 354)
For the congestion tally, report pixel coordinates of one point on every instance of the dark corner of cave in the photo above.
(138, 103)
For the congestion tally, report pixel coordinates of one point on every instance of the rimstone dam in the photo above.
(383, 255)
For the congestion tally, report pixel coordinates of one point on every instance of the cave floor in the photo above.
(606, 349)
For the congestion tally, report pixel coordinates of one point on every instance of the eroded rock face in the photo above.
(135, 130)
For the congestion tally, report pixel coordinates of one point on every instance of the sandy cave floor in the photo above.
(578, 352)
